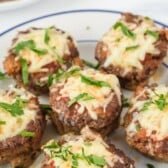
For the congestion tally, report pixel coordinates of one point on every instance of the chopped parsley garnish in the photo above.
(14, 109)
(40, 51)
(98, 161)
(53, 49)
(26, 134)
(90, 64)
(40, 84)
(87, 143)
(24, 44)
(46, 108)
(58, 57)
(148, 165)
(131, 47)
(29, 44)
(138, 128)
(125, 102)
(155, 34)
(2, 75)
(50, 80)
(125, 30)
(82, 97)
(64, 153)
(91, 81)
(24, 71)
(161, 102)
(2, 122)
(46, 36)
(62, 75)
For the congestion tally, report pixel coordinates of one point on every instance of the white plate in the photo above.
(86, 26)
(14, 4)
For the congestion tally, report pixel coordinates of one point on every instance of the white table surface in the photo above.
(157, 9)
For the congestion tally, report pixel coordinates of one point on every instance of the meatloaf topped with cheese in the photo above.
(21, 127)
(146, 121)
(133, 49)
(37, 53)
(85, 97)
(87, 150)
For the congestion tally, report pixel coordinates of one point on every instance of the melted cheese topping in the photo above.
(14, 125)
(102, 95)
(153, 119)
(36, 62)
(95, 147)
(117, 43)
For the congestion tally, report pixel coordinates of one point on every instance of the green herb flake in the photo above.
(27, 134)
(125, 30)
(2, 76)
(24, 44)
(130, 48)
(148, 165)
(138, 128)
(46, 36)
(90, 81)
(87, 143)
(40, 84)
(58, 57)
(14, 109)
(146, 105)
(50, 80)
(90, 64)
(62, 75)
(24, 71)
(74, 161)
(152, 33)
(46, 108)
(64, 153)
(40, 51)
(98, 161)
(161, 102)
(125, 102)
(2, 122)
(29, 44)
(82, 97)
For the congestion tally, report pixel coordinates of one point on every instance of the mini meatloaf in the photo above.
(87, 150)
(21, 127)
(146, 122)
(37, 53)
(132, 49)
(85, 97)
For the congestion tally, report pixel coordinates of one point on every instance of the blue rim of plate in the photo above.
(70, 12)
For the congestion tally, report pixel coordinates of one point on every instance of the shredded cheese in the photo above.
(152, 119)
(117, 43)
(96, 147)
(73, 86)
(58, 40)
(14, 125)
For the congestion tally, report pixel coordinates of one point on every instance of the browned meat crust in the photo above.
(72, 120)
(141, 141)
(13, 67)
(150, 63)
(21, 151)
